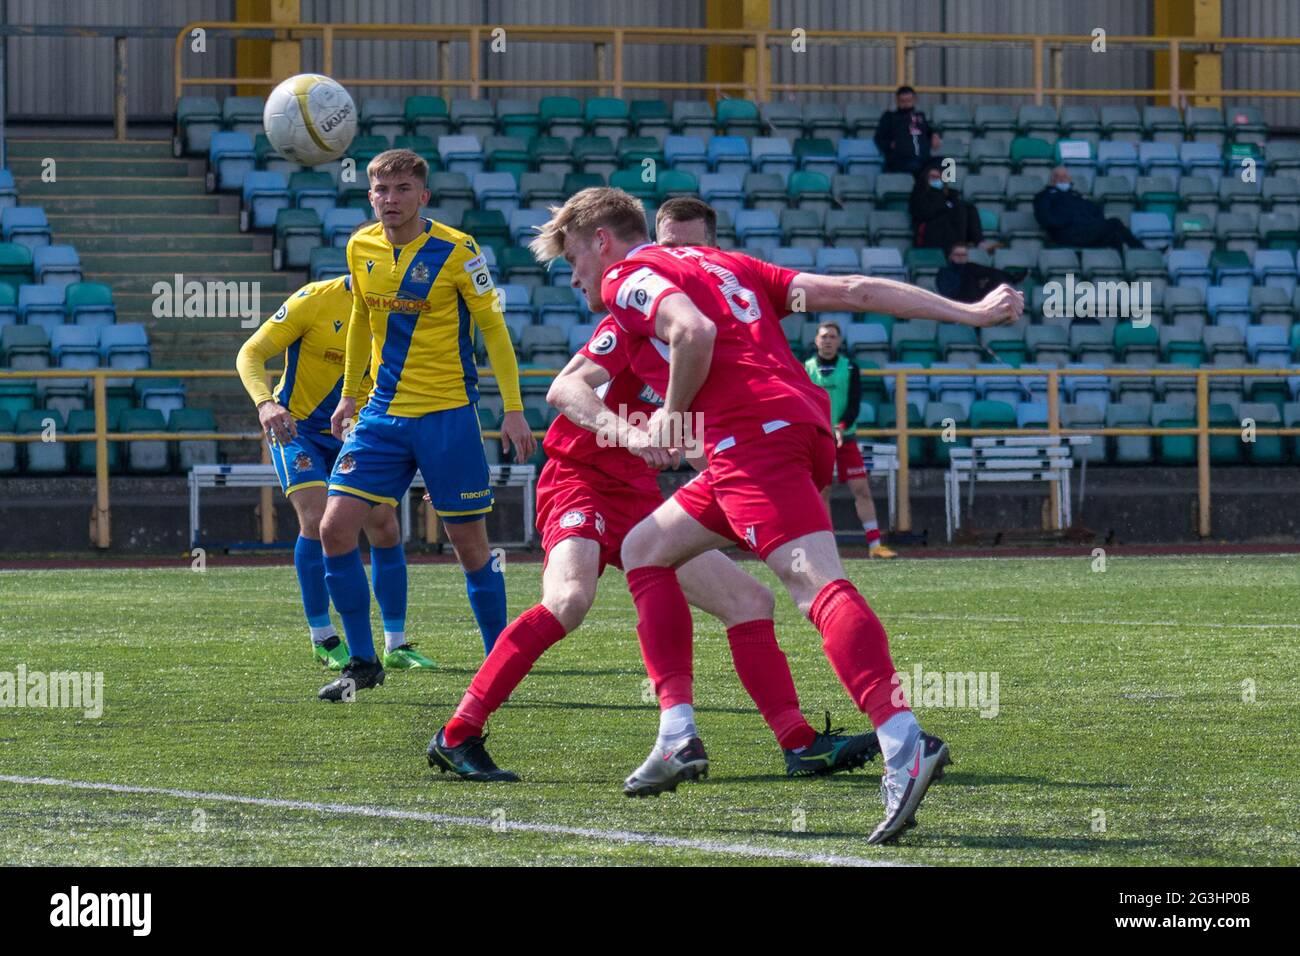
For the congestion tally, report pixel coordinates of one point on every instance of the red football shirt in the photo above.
(626, 395)
(754, 380)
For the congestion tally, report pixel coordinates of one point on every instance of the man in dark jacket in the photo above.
(1071, 220)
(903, 135)
(967, 281)
(941, 218)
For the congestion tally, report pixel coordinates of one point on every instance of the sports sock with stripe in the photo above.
(388, 576)
(309, 562)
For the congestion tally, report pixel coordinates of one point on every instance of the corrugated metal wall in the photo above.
(973, 66)
(1260, 68)
(72, 77)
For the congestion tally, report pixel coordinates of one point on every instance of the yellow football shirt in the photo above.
(311, 328)
(413, 317)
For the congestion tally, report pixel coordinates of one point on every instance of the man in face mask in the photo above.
(940, 216)
(904, 136)
(1071, 220)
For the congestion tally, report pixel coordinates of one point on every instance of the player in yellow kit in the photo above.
(310, 328)
(419, 291)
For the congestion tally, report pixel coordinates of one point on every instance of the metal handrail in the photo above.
(610, 44)
(901, 431)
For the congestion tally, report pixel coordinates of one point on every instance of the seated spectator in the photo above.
(967, 281)
(903, 135)
(940, 217)
(1070, 219)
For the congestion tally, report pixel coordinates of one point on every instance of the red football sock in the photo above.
(664, 630)
(856, 645)
(765, 674)
(873, 536)
(513, 656)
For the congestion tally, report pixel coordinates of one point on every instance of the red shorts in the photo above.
(764, 491)
(849, 465)
(578, 502)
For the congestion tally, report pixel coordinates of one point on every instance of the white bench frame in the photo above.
(882, 458)
(262, 476)
(1021, 458)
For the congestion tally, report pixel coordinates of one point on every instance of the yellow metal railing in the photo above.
(611, 43)
(900, 432)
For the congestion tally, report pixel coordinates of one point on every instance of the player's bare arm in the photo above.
(573, 393)
(690, 336)
(818, 293)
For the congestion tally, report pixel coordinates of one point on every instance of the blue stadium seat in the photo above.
(687, 153)
(75, 346)
(516, 303)
(1118, 159)
(496, 191)
(1160, 159)
(243, 114)
(859, 157)
(580, 334)
(25, 226)
(230, 158)
(124, 346)
(1269, 345)
(383, 117)
(724, 191)
(1189, 267)
(772, 154)
(41, 305)
(886, 263)
(760, 228)
(265, 194)
(57, 266)
(8, 192)
(729, 154)
(1202, 159)
(1152, 228)
(197, 119)
(461, 154)
(338, 225)
(1276, 267)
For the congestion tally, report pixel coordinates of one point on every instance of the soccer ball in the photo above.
(310, 119)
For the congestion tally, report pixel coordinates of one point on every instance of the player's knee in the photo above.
(638, 549)
(755, 602)
(570, 603)
(382, 528)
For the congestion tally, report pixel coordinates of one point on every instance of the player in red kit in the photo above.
(712, 319)
(600, 481)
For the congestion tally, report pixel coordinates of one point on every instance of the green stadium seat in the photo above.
(561, 116)
(650, 118)
(507, 154)
(191, 453)
(675, 182)
(935, 413)
(634, 150)
(517, 118)
(576, 182)
(594, 154)
(925, 262)
(1028, 152)
(1291, 419)
(489, 227)
(8, 449)
(426, 116)
(817, 155)
(737, 118)
(607, 116)
(197, 118)
(630, 180)
(83, 454)
(16, 267)
(1174, 449)
(915, 342)
(381, 116)
(326, 262)
(1136, 342)
(46, 458)
(1225, 449)
(551, 154)
(1265, 449)
(365, 148)
(1007, 342)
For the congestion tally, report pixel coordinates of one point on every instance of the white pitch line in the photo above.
(1006, 619)
(588, 833)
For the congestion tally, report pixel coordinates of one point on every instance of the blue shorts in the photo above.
(306, 461)
(379, 459)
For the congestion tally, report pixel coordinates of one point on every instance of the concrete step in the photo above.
(158, 242)
(131, 226)
(189, 264)
(177, 206)
(35, 190)
(82, 166)
(90, 148)
(140, 286)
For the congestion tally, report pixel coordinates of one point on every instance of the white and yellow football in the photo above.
(310, 119)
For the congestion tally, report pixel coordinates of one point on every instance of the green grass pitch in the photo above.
(1147, 714)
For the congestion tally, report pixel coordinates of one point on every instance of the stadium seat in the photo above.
(197, 118)
(496, 191)
(327, 263)
(1129, 449)
(42, 457)
(1202, 159)
(57, 266)
(461, 153)
(949, 118)
(144, 456)
(845, 229)
(1153, 229)
(802, 228)
(692, 116)
(297, 234)
(193, 452)
(854, 192)
(991, 156)
(687, 153)
(758, 227)
(1265, 449)
(737, 117)
(230, 157)
(124, 346)
(426, 116)
(41, 305)
(772, 154)
(1246, 124)
(381, 116)
(25, 347)
(675, 182)
(885, 263)
(25, 226)
(8, 305)
(1205, 125)
(1268, 345)
(160, 394)
(15, 264)
(859, 157)
(264, 194)
(339, 224)
(832, 260)
(243, 114)
(652, 118)
(75, 346)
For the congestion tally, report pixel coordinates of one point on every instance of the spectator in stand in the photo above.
(903, 135)
(1069, 219)
(967, 281)
(940, 217)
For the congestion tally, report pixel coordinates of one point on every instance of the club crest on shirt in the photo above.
(573, 519)
(302, 461)
(419, 272)
(347, 464)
